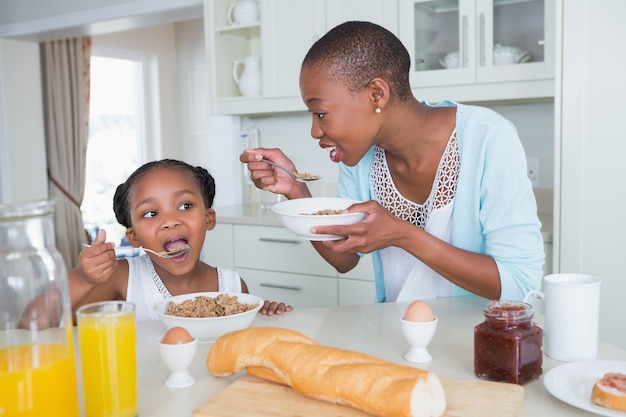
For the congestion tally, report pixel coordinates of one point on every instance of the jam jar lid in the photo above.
(508, 310)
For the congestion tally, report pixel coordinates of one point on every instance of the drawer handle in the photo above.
(284, 287)
(273, 240)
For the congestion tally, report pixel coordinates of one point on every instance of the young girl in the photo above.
(164, 205)
(449, 206)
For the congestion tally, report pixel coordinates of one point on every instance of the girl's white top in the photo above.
(145, 287)
(406, 277)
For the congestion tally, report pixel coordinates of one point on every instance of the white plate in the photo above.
(572, 383)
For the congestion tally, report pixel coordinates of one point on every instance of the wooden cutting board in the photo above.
(251, 396)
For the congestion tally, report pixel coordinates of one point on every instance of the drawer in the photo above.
(301, 291)
(277, 249)
(352, 291)
(364, 270)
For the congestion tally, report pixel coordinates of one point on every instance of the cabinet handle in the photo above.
(284, 287)
(273, 240)
(482, 39)
(465, 57)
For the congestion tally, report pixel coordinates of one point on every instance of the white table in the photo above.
(373, 329)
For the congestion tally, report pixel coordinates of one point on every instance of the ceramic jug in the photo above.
(243, 12)
(249, 81)
(37, 369)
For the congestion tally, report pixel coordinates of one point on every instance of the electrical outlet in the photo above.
(532, 163)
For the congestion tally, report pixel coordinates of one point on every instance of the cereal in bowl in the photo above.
(202, 306)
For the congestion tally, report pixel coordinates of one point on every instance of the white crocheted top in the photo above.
(407, 278)
(145, 287)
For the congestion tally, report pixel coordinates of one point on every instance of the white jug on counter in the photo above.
(250, 80)
(243, 12)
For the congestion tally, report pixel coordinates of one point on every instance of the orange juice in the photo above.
(108, 361)
(38, 380)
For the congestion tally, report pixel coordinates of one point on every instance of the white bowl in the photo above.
(296, 215)
(210, 328)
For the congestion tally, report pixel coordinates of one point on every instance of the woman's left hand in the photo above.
(379, 229)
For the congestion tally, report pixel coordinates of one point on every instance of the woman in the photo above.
(450, 209)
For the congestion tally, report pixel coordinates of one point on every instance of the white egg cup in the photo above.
(419, 335)
(177, 358)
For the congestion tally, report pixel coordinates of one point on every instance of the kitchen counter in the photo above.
(253, 214)
(373, 329)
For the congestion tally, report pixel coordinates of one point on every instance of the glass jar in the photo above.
(37, 368)
(508, 345)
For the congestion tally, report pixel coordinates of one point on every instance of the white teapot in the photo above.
(451, 60)
(243, 12)
(507, 55)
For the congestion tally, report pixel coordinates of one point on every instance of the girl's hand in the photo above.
(273, 307)
(269, 178)
(97, 263)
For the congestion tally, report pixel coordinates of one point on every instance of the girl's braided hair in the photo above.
(121, 200)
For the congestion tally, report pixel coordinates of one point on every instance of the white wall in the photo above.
(590, 102)
(23, 156)
(204, 139)
(291, 133)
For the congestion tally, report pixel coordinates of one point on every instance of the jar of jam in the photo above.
(508, 345)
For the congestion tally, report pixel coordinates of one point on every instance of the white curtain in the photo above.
(65, 77)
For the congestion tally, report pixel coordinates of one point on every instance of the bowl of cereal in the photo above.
(208, 315)
(301, 214)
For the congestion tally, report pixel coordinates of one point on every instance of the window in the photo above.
(117, 136)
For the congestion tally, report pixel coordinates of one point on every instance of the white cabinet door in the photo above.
(288, 29)
(527, 25)
(381, 12)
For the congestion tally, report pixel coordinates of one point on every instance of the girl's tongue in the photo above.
(335, 154)
(175, 244)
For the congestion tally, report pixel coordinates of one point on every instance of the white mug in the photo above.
(572, 316)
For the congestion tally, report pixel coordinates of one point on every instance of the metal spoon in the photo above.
(298, 176)
(163, 254)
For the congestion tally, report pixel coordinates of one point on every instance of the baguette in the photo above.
(610, 391)
(329, 374)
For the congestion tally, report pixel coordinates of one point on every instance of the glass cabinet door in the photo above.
(515, 40)
(441, 40)
(455, 42)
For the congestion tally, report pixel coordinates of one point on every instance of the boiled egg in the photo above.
(176, 336)
(419, 311)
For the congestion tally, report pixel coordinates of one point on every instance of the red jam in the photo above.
(508, 345)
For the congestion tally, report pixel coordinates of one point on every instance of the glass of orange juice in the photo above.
(107, 344)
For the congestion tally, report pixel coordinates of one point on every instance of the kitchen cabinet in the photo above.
(357, 286)
(470, 31)
(277, 265)
(285, 32)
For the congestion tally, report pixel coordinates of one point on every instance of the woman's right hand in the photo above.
(97, 263)
(269, 178)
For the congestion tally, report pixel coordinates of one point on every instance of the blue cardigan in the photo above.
(494, 212)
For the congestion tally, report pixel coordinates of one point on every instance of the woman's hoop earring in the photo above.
(377, 110)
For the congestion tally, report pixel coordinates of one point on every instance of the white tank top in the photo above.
(145, 287)
(406, 277)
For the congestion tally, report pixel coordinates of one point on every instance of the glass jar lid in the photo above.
(508, 310)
